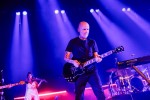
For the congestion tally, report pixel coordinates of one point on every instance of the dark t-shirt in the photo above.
(82, 50)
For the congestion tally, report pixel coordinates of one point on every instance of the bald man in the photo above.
(82, 49)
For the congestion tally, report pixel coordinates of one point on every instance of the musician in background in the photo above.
(82, 48)
(31, 87)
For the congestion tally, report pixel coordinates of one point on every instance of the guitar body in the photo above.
(71, 73)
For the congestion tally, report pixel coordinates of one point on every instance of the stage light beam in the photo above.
(56, 11)
(97, 10)
(128, 9)
(91, 10)
(62, 11)
(123, 9)
(18, 13)
(24, 12)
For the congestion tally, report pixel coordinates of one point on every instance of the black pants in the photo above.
(93, 79)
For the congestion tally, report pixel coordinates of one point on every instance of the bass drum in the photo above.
(136, 84)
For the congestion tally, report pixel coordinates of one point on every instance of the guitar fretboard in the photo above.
(94, 59)
(106, 54)
(89, 62)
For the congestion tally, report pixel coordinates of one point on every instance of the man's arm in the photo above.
(67, 57)
(69, 60)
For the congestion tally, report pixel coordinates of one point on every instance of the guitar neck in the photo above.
(89, 62)
(94, 60)
(106, 54)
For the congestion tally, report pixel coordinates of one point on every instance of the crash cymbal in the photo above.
(111, 70)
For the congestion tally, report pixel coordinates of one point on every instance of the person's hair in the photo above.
(28, 74)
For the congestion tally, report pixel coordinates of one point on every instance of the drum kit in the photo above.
(128, 80)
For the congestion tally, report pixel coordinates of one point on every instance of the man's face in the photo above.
(84, 30)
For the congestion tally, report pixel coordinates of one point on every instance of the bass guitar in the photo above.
(71, 73)
(11, 85)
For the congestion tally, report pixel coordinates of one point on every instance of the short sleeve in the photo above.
(95, 47)
(69, 46)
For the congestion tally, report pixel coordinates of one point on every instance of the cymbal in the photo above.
(111, 70)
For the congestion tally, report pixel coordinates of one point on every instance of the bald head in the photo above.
(81, 24)
(83, 29)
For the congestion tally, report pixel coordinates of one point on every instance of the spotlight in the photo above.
(97, 10)
(128, 9)
(24, 13)
(56, 11)
(123, 9)
(62, 11)
(91, 10)
(17, 13)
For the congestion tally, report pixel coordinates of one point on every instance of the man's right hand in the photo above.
(67, 59)
(76, 63)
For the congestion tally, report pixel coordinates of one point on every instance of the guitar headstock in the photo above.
(22, 82)
(118, 49)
